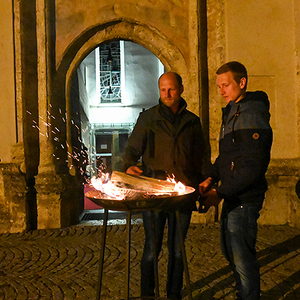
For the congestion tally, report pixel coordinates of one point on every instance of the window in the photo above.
(110, 72)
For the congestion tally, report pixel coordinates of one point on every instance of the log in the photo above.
(129, 194)
(150, 185)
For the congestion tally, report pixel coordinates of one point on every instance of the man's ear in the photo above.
(182, 89)
(243, 82)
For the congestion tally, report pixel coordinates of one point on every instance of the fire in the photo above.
(108, 187)
(179, 186)
(104, 185)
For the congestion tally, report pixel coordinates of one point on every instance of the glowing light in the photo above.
(179, 186)
(104, 185)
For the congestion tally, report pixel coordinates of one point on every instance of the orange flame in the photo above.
(179, 186)
(107, 187)
(103, 184)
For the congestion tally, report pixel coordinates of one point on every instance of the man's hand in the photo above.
(204, 186)
(134, 170)
(211, 198)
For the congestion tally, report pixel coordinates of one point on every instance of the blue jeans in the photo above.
(238, 239)
(175, 262)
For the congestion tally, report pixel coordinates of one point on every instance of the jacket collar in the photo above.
(168, 114)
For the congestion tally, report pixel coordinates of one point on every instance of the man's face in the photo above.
(170, 91)
(230, 90)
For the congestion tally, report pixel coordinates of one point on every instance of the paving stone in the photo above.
(63, 263)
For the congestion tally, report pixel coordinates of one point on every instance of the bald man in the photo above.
(169, 139)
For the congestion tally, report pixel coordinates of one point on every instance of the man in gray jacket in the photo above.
(169, 139)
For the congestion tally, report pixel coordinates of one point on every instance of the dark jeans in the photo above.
(238, 239)
(175, 262)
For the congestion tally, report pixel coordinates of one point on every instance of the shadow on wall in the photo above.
(298, 189)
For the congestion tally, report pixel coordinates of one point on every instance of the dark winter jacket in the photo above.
(244, 149)
(168, 144)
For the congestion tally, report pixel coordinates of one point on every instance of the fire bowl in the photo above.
(140, 200)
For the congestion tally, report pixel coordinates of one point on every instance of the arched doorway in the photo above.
(59, 176)
(116, 81)
(155, 43)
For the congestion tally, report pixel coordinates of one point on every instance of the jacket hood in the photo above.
(257, 101)
(259, 96)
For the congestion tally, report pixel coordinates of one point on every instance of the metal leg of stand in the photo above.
(154, 254)
(101, 259)
(185, 265)
(128, 242)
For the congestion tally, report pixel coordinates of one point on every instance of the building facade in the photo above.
(44, 41)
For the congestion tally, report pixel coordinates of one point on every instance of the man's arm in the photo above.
(134, 148)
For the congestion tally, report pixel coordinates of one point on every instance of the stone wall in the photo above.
(8, 127)
(44, 48)
(282, 205)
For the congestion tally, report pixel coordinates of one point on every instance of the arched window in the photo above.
(110, 72)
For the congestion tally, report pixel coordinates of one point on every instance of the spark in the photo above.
(37, 127)
(76, 156)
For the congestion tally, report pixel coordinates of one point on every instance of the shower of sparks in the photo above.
(80, 155)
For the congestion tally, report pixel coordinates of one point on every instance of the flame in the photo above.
(179, 186)
(104, 185)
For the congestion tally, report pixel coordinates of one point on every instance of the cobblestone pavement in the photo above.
(63, 263)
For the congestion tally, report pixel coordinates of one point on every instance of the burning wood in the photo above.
(128, 187)
(150, 185)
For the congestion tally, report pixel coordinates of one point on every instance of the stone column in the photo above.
(13, 206)
(58, 193)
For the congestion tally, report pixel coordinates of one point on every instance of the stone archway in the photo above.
(158, 44)
(141, 34)
(62, 205)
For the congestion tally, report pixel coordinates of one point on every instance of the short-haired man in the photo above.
(169, 139)
(244, 154)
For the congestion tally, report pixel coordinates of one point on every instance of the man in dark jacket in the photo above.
(244, 154)
(169, 139)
